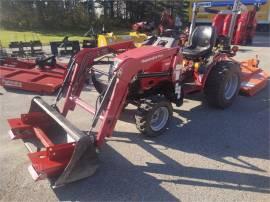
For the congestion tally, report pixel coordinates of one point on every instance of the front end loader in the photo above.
(64, 153)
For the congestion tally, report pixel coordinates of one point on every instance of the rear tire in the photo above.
(223, 84)
(153, 115)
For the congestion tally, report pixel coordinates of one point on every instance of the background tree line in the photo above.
(81, 14)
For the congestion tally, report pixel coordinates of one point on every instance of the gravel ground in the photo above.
(206, 154)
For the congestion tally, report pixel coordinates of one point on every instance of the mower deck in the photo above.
(254, 79)
(26, 76)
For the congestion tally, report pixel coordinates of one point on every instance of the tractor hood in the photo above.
(139, 52)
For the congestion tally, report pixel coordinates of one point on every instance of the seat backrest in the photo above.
(203, 37)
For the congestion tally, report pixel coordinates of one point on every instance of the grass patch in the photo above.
(6, 36)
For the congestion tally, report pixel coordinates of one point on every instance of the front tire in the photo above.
(223, 84)
(153, 115)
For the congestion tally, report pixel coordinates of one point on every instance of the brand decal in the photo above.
(12, 83)
(152, 58)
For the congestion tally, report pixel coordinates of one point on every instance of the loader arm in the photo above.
(117, 89)
(83, 61)
(125, 72)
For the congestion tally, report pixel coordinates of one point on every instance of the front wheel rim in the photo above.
(159, 118)
(231, 87)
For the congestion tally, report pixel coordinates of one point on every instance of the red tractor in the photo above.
(151, 77)
(144, 27)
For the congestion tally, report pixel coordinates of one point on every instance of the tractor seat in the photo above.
(203, 39)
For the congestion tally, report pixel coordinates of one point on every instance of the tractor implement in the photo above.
(239, 25)
(253, 78)
(58, 149)
(42, 75)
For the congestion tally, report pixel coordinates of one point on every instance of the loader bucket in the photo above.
(57, 148)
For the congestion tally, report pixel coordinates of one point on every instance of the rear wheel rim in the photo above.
(231, 87)
(159, 118)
